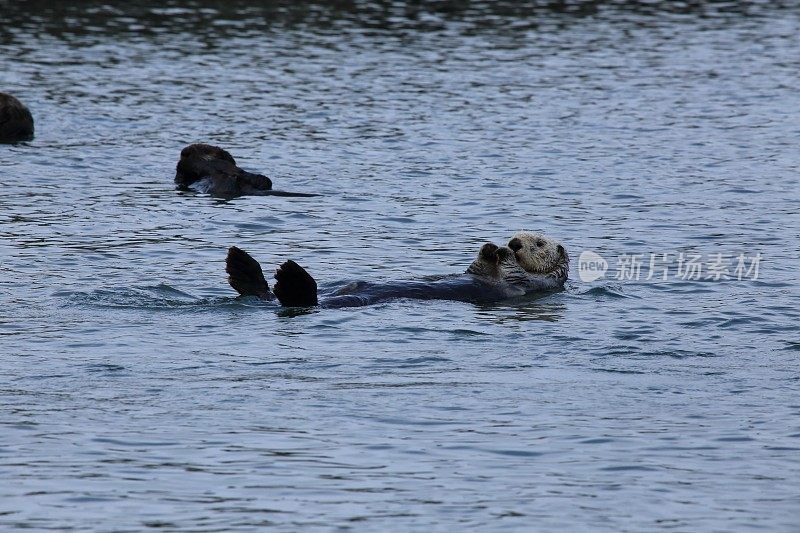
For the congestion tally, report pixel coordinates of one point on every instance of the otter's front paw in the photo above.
(488, 253)
(295, 287)
(504, 253)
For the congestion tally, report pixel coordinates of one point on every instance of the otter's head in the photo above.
(201, 160)
(493, 262)
(206, 152)
(539, 254)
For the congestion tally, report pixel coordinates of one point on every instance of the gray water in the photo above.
(137, 392)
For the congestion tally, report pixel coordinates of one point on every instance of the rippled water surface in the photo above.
(136, 391)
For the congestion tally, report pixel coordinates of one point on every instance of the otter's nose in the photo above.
(515, 244)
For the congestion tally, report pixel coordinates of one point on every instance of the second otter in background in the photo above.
(16, 122)
(212, 170)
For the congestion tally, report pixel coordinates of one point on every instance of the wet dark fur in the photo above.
(16, 122)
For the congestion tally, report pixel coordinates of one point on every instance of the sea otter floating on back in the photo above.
(212, 170)
(530, 263)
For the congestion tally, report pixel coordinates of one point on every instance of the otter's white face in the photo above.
(537, 253)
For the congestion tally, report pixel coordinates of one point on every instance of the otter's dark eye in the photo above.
(540, 243)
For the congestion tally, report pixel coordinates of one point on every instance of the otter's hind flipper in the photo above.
(294, 286)
(245, 275)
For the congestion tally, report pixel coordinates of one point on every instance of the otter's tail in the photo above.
(294, 286)
(245, 275)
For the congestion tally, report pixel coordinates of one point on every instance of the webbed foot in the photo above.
(295, 287)
(245, 275)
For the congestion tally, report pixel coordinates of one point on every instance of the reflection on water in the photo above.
(131, 377)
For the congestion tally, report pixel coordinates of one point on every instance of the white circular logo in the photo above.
(591, 266)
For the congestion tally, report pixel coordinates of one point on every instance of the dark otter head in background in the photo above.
(16, 122)
(217, 166)
(206, 152)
